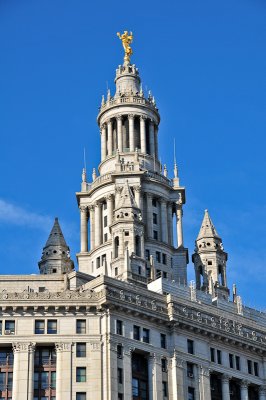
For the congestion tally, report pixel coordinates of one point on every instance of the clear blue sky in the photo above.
(205, 62)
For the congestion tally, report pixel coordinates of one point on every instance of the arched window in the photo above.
(116, 246)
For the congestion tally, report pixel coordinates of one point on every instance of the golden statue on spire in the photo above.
(127, 39)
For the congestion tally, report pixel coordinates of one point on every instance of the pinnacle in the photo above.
(56, 237)
(207, 229)
(127, 199)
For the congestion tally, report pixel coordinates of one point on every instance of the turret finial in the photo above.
(126, 39)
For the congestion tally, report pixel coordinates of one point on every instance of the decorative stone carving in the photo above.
(63, 346)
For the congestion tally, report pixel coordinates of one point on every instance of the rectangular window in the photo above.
(191, 393)
(105, 237)
(249, 367)
(119, 351)
(154, 218)
(81, 350)
(44, 380)
(81, 396)
(39, 326)
(165, 389)
(155, 235)
(256, 369)
(105, 221)
(212, 354)
(103, 259)
(158, 256)
(51, 326)
(147, 254)
(120, 375)
(164, 365)
(219, 357)
(164, 259)
(231, 360)
(238, 363)
(9, 327)
(136, 332)
(146, 335)
(164, 275)
(190, 370)
(163, 341)
(81, 326)
(119, 327)
(53, 380)
(190, 346)
(98, 262)
(104, 205)
(154, 202)
(120, 396)
(81, 374)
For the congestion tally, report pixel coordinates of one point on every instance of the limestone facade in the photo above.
(127, 324)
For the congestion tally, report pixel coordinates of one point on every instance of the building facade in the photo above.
(127, 324)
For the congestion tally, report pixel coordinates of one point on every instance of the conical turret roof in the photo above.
(207, 229)
(56, 237)
(127, 199)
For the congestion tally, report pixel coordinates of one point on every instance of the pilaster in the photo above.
(83, 229)
(225, 387)
(204, 383)
(127, 364)
(23, 371)
(63, 371)
(177, 378)
(143, 146)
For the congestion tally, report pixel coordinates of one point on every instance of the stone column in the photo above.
(170, 223)
(177, 378)
(179, 225)
(149, 215)
(127, 367)
(131, 132)
(155, 377)
(143, 146)
(156, 141)
(110, 209)
(119, 133)
(92, 227)
(110, 138)
(151, 135)
(23, 370)
(244, 390)
(63, 371)
(103, 142)
(31, 371)
(137, 190)
(83, 229)
(113, 384)
(262, 392)
(225, 387)
(98, 224)
(204, 383)
(164, 220)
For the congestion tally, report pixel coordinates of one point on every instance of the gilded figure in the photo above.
(126, 39)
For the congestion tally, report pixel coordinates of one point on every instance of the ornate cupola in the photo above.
(209, 260)
(132, 206)
(56, 255)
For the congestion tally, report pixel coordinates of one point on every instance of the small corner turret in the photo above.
(56, 254)
(209, 260)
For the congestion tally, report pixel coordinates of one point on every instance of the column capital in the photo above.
(128, 350)
(244, 384)
(98, 204)
(83, 209)
(103, 126)
(109, 197)
(226, 378)
(131, 116)
(205, 371)
(63, 346)
(119, 117)
(262, 389)
(91, 207)
(23, 347)
(149, 195)
(109, 122)
(180, 362)
(143, 117)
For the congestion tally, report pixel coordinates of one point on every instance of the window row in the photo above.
(49, 326)
(139, 333)
(234, 361)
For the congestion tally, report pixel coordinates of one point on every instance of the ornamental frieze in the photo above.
(64, 295)
(220, 323)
